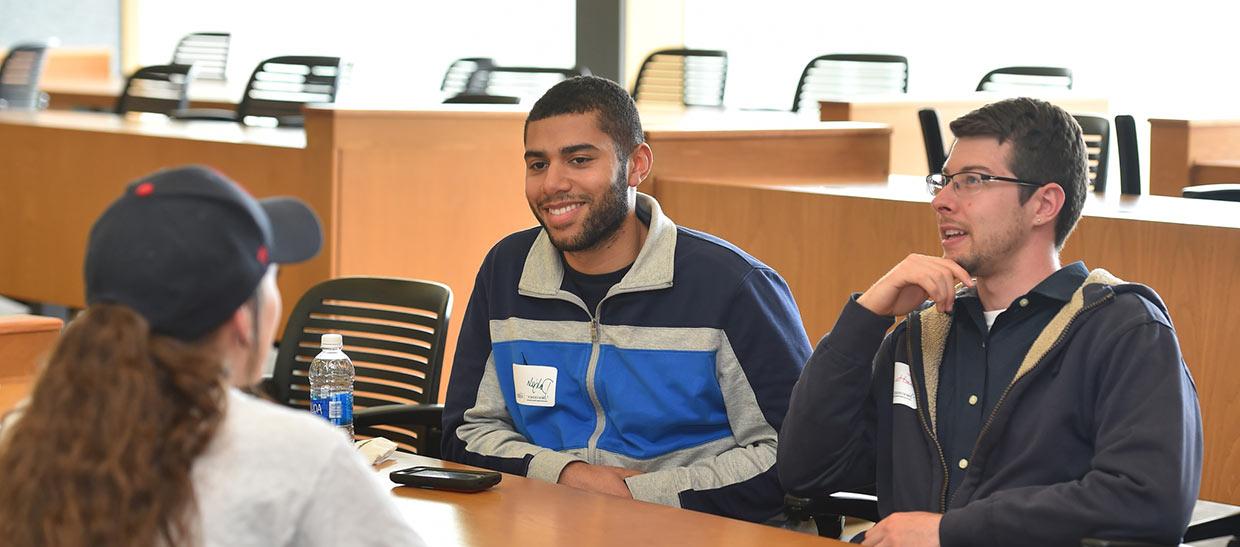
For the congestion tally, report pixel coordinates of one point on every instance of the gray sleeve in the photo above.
(487, 431)
(350, 505)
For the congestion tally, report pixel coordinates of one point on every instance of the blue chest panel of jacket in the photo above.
(653, 401)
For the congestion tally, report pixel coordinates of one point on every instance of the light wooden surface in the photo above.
(521, 511)
(68, 63)
(830, 241)
(1215, 172)
(67, 93)
(63, 168)
(24, 343)
(768, 150)
(424, 194)
(908, 151)
(407, 193)
(1178, 145)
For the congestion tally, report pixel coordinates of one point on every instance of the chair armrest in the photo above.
(1219, 192)
(211, 114)
(1095, 542)
(828, 510)
(424, 415)
(427, 417)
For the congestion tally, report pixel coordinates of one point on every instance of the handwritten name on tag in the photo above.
(902, 388)
(535, 384)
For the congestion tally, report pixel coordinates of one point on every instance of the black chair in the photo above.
(501, 84)
(1129, 160)
(1217, 192)
(208, 51)
(162, 89)
(692, 77)
(1097, 133)
(829, 511)
(394, 332)
(849, 74)
(278, 89)
(932, 136)
(466, 75)
(19, 77)
(1020, 78)
(481, 98)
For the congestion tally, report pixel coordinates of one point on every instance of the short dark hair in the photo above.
(1047, 146)
(617, 114)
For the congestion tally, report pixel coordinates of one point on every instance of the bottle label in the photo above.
(336, 408)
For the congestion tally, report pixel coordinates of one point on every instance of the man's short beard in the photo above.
(606, 217)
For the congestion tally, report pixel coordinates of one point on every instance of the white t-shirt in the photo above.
(274, 476)
(991, 316)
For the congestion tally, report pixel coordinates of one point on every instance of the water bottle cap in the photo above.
(332, 340)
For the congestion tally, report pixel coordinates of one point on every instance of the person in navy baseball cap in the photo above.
(185, 247)
(137, 431)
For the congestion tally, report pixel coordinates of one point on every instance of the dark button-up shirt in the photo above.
(980, 363)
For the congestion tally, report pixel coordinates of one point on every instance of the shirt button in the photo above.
(1024, 302)
(963, 463)
(972, 400)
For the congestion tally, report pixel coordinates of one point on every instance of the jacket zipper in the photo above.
(1003, 397)
(922, 418)
(591, 390)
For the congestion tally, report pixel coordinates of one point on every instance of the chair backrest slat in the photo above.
(207, 51)
(19, 77)
(692, 77)
(1026, 78)
(849, 74)
(162, 89)
(280, 86)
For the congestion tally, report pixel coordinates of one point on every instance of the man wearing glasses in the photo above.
(1020, 402)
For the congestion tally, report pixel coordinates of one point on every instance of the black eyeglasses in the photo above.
(967, 183)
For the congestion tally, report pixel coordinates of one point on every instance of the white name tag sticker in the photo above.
(535, 384)
(902, 388)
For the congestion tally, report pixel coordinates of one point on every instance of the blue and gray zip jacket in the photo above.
(682, 372)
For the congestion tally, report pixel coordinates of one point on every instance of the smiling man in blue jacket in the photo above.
(1033, 404)
(613, 351)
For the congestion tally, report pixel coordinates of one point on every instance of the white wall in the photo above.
(399, 49)
(1166, 59)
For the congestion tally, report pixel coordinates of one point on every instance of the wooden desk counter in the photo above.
(521, 511)
(63, 168)
(908, 151)
(67, 93)
(1177, 146)
(829, 241)
(25, 341)
(745, 146)
(1216, 172)
(407, 193)
(67, 63)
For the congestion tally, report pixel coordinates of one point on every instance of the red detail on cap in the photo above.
(262, 254)
(144, 189)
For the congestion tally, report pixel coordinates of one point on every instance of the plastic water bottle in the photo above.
(331, 384)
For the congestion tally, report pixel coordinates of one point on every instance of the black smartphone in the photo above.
(438, 478)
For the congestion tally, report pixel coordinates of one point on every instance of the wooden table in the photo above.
(771, 147)
(908, 151)
(1179, 146)
(66, 63)
(25, 341)
(1215, 172)
(829, 241)
(409, 193)
(101, 93)
(521, 511)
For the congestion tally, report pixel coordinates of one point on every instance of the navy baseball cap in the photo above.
(185, 247)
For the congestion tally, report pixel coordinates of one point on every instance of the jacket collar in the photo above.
(543, 273)
(936, 325)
